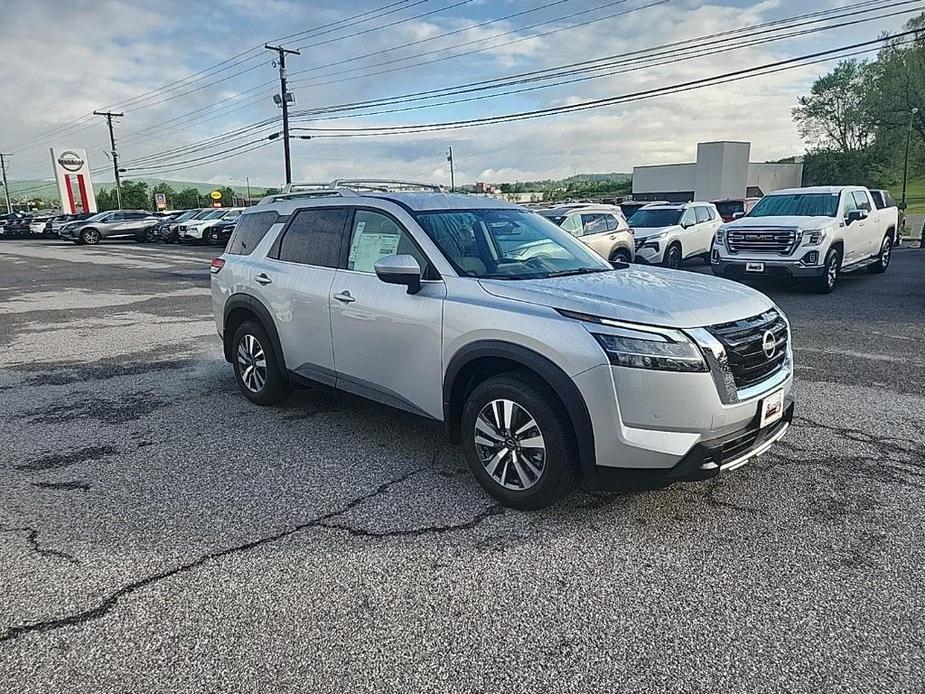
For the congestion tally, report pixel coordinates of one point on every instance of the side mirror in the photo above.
(856, 216)
(902, 205)
(738, 215)
(400, 269)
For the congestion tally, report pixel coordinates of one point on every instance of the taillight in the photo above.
(217, 265)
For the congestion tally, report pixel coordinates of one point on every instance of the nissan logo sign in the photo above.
(69, 161)
(769, 344)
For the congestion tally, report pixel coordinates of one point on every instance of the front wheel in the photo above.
(883, 258)
(673, 257)
(518, 441)
(91, 237)
(825, 283)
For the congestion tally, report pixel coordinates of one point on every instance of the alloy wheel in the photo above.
(831, 272)
(674, 258)
(886, 251)
(510, 444)
(252, 362)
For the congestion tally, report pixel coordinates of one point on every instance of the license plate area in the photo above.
(771, 409)
(754, 267)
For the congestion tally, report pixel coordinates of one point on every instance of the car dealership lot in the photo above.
(158, 531)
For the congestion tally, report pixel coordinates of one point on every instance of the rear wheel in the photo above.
(151, 235)
(259, 375)
(673, 257)
(825, 283)
(621, 255)
(518, 441)
(883, 258)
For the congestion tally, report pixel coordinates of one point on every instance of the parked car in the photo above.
(733, 208)
(812, 234)
(883, 200)
(555, 366)
(631, 207)
(220, 232)
(197, 230)
(54, 224)
(671, 233)
(168, 231)
(16, 225)
(602, 227)
(112, 224)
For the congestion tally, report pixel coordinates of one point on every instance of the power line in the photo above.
(723, 78)
(693, 52)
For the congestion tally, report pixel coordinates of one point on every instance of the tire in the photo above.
(672, 257)
(90, 237)
(883, 258)
(825, 283)
(256, 370)
(150, 236)
(542, 473)
(621, 255)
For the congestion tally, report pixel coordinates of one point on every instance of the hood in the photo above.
(646, 232)
(650, 295)
(788, 222)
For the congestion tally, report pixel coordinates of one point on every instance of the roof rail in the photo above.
(383, 185)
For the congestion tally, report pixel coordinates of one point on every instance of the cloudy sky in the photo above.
(183, 72)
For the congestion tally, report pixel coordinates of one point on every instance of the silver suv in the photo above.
(112, 224)
(545, 361)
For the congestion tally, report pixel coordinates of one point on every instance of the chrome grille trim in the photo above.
(758, 240)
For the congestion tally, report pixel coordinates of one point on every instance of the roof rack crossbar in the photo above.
(383, 185)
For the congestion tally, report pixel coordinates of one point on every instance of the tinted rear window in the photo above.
(727, 208)
(314, 237)
(250, 230)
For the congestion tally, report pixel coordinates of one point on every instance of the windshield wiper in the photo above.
(579, 271)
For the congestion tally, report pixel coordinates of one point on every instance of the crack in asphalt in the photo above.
(32, 537)
(493, 510)
(108, 603)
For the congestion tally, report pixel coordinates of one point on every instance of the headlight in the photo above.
(643, 350)
(721, 235)
(814, 237)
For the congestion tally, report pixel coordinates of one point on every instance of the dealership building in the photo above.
(722, 171)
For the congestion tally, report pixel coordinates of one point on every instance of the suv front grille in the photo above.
(781, 241)
(744, 341)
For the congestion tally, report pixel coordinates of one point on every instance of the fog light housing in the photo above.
(811, 258)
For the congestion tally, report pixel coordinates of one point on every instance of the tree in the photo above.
(834, 116)
(187, 199)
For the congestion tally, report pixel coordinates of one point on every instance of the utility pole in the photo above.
(284, 101)
(109, 115)
(247, 182)
(6, 187)
(908, 145)
(449, 158)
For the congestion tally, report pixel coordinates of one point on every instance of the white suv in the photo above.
(668, 234)
(544, 360)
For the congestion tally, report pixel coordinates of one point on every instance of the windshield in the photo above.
(204, 214)
(654, 218)
(556, 219)
(507, 244)
(189, 214)
(95, 218)
(215, 214)
(797, 205)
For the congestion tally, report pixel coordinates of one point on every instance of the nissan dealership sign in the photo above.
(72, 174)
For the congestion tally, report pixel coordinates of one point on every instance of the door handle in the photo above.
(344, 297)
(262, 278)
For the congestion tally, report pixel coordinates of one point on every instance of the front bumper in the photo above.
(738, 268)
(190, 234)
(650, 252)
(704, 461)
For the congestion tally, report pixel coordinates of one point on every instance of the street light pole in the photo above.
(449, 158)
(285, 103)
(247, 182)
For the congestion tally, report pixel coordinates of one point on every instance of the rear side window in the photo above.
(863, 202)
(594, 223)
(314, 237)
(250, 231)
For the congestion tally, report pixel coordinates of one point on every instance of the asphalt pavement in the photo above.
(158, 532)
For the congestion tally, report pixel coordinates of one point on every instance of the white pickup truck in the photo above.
(807, 233)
